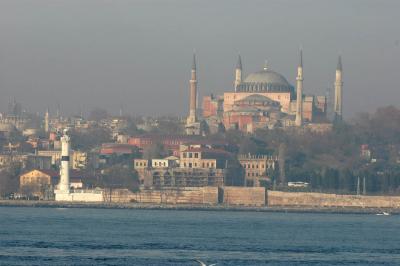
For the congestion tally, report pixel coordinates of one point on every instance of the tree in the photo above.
(9, 179)
(119, 176)
(156, 150)
(252, 145)
(85, 141)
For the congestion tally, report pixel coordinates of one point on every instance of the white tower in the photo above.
(46, 121)
(64, 185)
(337, 109)
(299, 106)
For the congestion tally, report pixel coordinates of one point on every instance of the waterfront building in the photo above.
(257, 168)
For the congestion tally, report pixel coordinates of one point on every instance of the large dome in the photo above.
(265, 81)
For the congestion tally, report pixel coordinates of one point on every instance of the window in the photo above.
(184, 155)
(190, 155)
(190, 165)
(196, 155)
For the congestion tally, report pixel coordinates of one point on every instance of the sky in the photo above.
(137, 54)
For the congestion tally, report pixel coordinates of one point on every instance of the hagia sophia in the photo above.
(263, 100)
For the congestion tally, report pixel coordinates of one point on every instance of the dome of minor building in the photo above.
(265, 81)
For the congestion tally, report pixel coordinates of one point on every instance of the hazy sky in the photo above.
(92, 53)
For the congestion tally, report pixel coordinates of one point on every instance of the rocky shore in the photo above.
(296, 209)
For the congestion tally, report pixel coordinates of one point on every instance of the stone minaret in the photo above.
(337, 109)
(46, 121)
(238, 73)
(299, 105)
(192, 118)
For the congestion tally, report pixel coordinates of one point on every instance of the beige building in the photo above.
(79, 160)
(200, 157)
(37, 182)
(41, 183)
(257, 167)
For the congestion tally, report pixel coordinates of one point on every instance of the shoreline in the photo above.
(184, 207)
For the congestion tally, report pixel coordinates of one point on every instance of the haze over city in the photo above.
(199, 132)
(137, 54)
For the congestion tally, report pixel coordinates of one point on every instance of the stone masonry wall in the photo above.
(246, 196)
(301, 199)
(194, 195)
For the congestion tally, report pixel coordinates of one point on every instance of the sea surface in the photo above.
(71, 236)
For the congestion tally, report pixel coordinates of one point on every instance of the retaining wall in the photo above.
(302, 199)
(243, 196)
(246, 196)
(188, 195)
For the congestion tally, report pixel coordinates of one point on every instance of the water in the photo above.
(50, 236)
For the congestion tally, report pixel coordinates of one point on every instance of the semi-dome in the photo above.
(257, 99)
(265, 81)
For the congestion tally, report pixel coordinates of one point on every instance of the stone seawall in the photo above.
(321, 200)
(245, 196)
(188, 195)
(241, 196)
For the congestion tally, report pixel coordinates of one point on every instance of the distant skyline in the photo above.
(137, 54)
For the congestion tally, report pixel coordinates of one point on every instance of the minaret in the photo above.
(64, 186)
(46, 121)
(299, 105)
(192, 118)
(238, 73)
(337, 109)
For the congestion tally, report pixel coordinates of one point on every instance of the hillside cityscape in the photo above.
(207, 133)
(263, 134)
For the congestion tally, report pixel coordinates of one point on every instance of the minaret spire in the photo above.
(192, 118)
(238, 73)
(299, 104)
(338, 104)
(239, 62)
(339, 64)
(194, 61)
(301, 58)
(46, 121)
